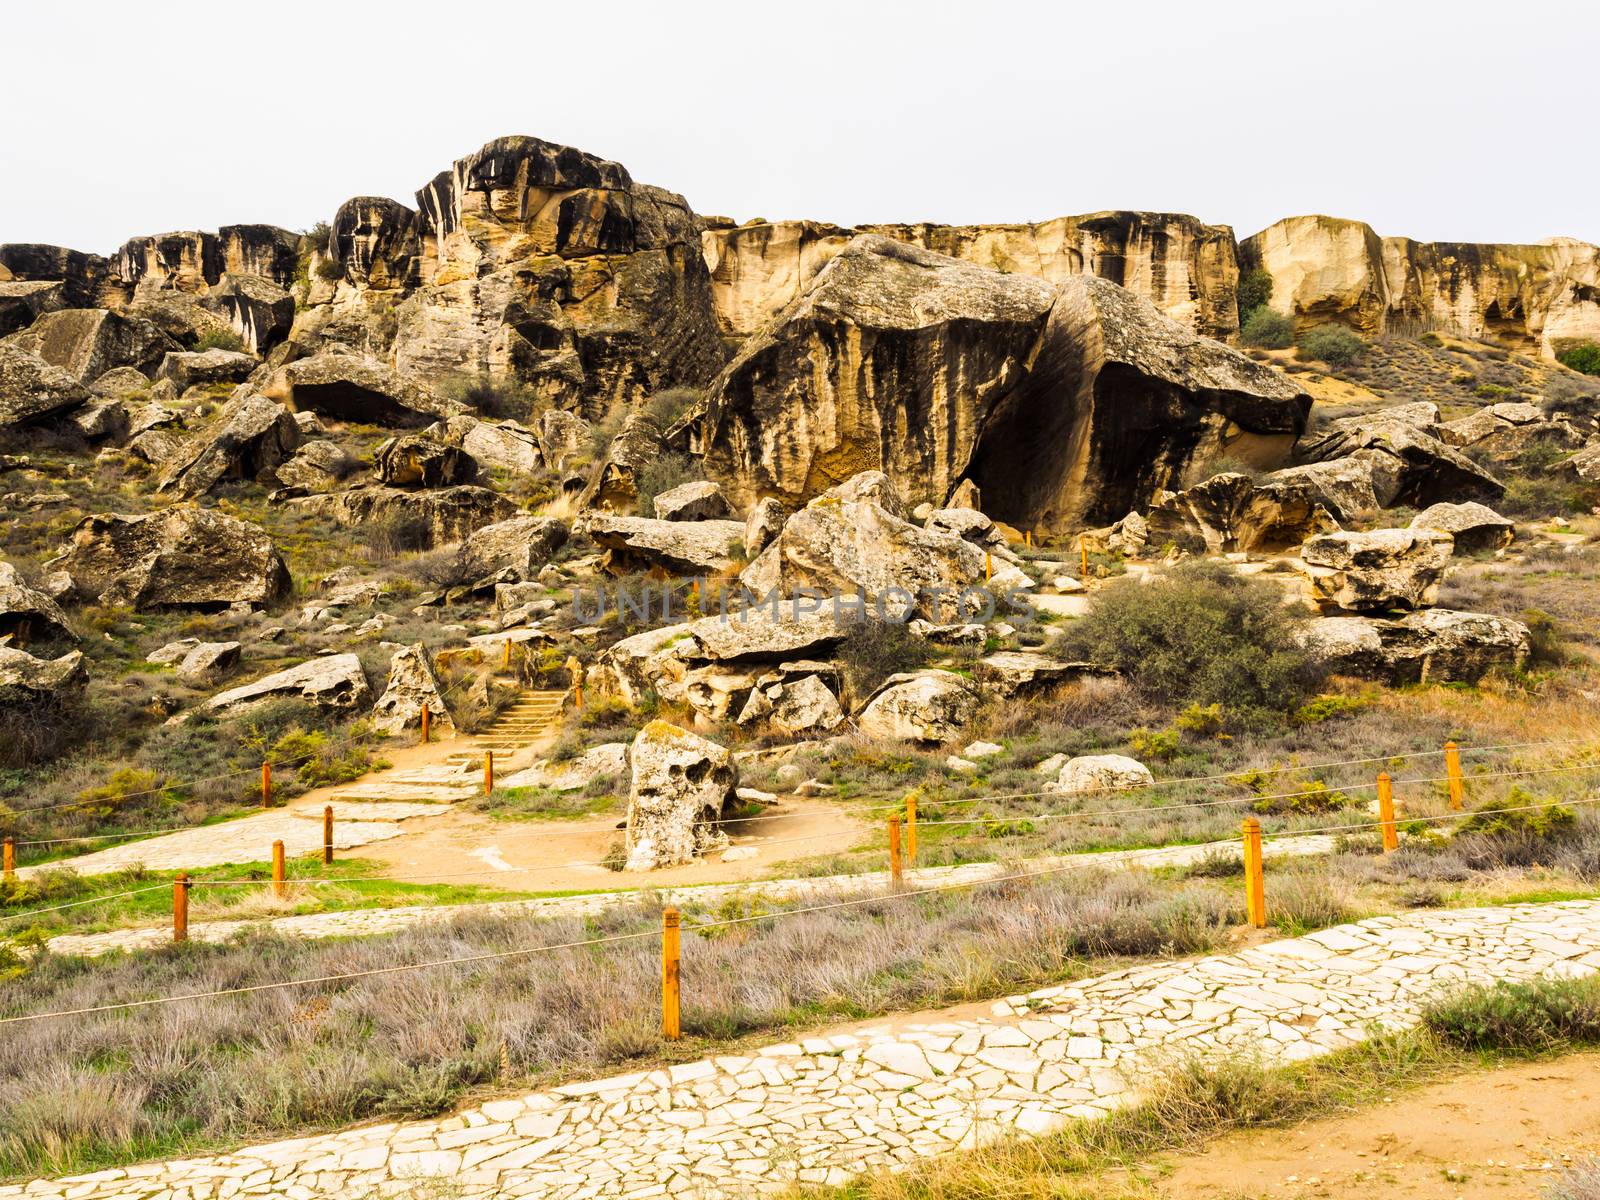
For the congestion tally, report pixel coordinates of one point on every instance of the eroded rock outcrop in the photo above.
(88, 342)
(680, 547)
(417, 461)
(333, 681)
(429, 518)
(253, 437)
(931, 707)
(1436, 644)
(1231, 512)
(522, 545)
(349, 387)
(28, 615)
(31, 390)
(1402, 457)
(1377, 570)
(1476, 528)
(680, 786)
(412, 684)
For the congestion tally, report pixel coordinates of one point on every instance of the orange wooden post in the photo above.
(180, 908)
(1452, 768)
(988, 566)
(425, 717)
(575, 671)
(1255, 888)
(327, 833)
(896, 867)
(488, 771)
(671, 1013)
(279, 888)
(1083, 557)
(1391, 839)
(8, 858)
(266, 785)
(911, 827)
(505, 657)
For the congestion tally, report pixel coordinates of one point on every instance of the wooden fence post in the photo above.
(488, 771)
(1452, 768)
(1255, 889)
(8, 859)
(425, 718)
(1083, 558)
(327, 833)
(988, 566)
(266, 785)
(1391, 839)
(911, 827)
(279, 888)
(180, 908)
(896, 867)
(671, 1016)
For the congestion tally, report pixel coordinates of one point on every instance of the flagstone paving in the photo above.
(888, 1094)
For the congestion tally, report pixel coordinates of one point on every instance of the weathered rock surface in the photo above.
(920, 706)
(253, 436)
(609, 761)
(1100, 773)
(563, 437)
(412, 684)
(680, 785)
(763, 524)
(1476, 528)
(613, 482)
(1376, 570)
(88, 342)
(1343, 486)
(1057, 402)
(334, 681)
(1015, 672)
(317, 466)
(794, 700)
(1436, 644)
(188, 368)
(681, 547)
(700, 501)
(1230, 512)
(194, 261)
(437, 516)
(417, 461)
(377, 243)
(260, 311)
(26, 680)
(348, 387)
(180, 557)
(28, 614)
(508, 445)
(1406, 461)
(31, 390)
(22, 302)
(206, 662)
(522, 545)
(83, 277)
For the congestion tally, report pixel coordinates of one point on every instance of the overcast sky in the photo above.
(1460, 121)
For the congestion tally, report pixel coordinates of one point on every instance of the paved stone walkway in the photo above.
(889, 1094)
(371, 921)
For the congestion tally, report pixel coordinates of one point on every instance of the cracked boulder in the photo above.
(680, 786)
(1377, 570)
(334, 682)
(88, 342)
(1408, 462)
(1436, 645)
(699, 501)
(930, 707)
(418, 461)
(412, 683)
(679, 547)
(1231, 512)
(191, 368)
(253, 437)
(506, 445)
(31, 390)
(28, 615)
(422, 520)
(522, 545)
(1100, 773)
(1476, 528)
(28, 681)
(795, 700)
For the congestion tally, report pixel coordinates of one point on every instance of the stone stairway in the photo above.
(516, 728)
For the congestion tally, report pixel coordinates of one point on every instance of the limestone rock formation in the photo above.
(22, 302)
(319, 465)
(522, 545)
(434, 518)
(187, 368)
(1436, 644)
(84, 278)
(701, 501)
(1056, 401)
(181, 557)
(193, 261)
(606, 761)
(253, 437)
(259, 311)
(348, 387)
(680, 786)
(613, 483)
(763, 524)
(206, 662)
(1230, 512)
(794, 700)
(333, 681)
(680, 547)
(929, 706)
(417, 461)
(28, 615)
(563, 437)
(377, 243)
(1100, 773)
(31, 390)
(28, 681)
(1187, 270)
(1009, 673)
(412, 684)
(1476, 528)
(88, 342)
(1402, 455)
(1377, 570)
(508, 445)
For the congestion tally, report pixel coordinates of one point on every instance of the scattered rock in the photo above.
(929, 706)
(1407, 462)
(1100, 773)
(207, 662)
(1009, 673)
(1230, 512)
(26, 680)
(613, 483)
(802, 706)
(88, 342)
(172, 652)
(1380, 569)
(609, 760)
(1476, 528)
(434, 517)
(253, 437)
(335, 682)
(680, 786)
(762, 525)
(963, 766)
(189, 368)
(982, 750)
(701, 501)
(507, 445)
(317, 466)
(31, 390)
(522, 545)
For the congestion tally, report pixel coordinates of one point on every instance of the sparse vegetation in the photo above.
(1332, 344)
(1583, 358)
(1267, 330)
(219, 339)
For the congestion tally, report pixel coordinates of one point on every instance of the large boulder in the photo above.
(1060, 403)
(417, 461)
(681, 547)
(763, 524)
(334, 682)
(700, 501)
(1408, 462)
(1476, 528)
(680, 786)
(1231, 512)
(1583, 466)
(614, 481)
(253, 436)
(27, 614)
(180, 557)
(31, 390)
(1377, 570)
(794, 700)
(929, 706)
(1436, 645)
(432, 518)
(1100, 773)
(1346, 487)
(350, 387)
(191, 368)
(842, 544)
(563, 438)
(523, 545)
(206, 662)
(506, 445)
(412, 684)
(88, 342)
(1009, 673)
(22, 301)
(319, 465)
(26, 681)
(257, 309)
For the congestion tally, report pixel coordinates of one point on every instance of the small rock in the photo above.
(963, 765)
(982, 750)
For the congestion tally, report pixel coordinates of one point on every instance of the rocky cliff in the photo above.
(1186, 269)
(1534, 298)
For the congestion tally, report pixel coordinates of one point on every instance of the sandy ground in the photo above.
(1487, 1134)
(460, 846)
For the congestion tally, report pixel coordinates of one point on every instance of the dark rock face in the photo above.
(88, 342)
(22, 302)
(255, 436)
(181, 557)
(84, 276)
(415, 461)
(260, 311)
(432, 518)
(1063, 404)
(377, 242)
(194, 261)
(32, 390)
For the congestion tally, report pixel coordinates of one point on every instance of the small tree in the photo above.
(1255, 291)
(1583, 358)
(1268, 329)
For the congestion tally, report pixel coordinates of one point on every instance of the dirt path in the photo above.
(1497, 1133)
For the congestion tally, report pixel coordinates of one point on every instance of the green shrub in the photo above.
(1539, 1014)
(1326, 708)
(1267, 329)
(318, 237)
(1153, 743)
(219, 339)
(1202, 720)
(1547, 648)
(330, 269)
(1583, 358)
(1255, 291)
(875, 650)
(1199, 634)
(499, 399)
(663, 474)
(1332, 344)
(1529, 818)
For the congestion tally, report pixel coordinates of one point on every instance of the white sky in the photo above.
(1464, 121)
